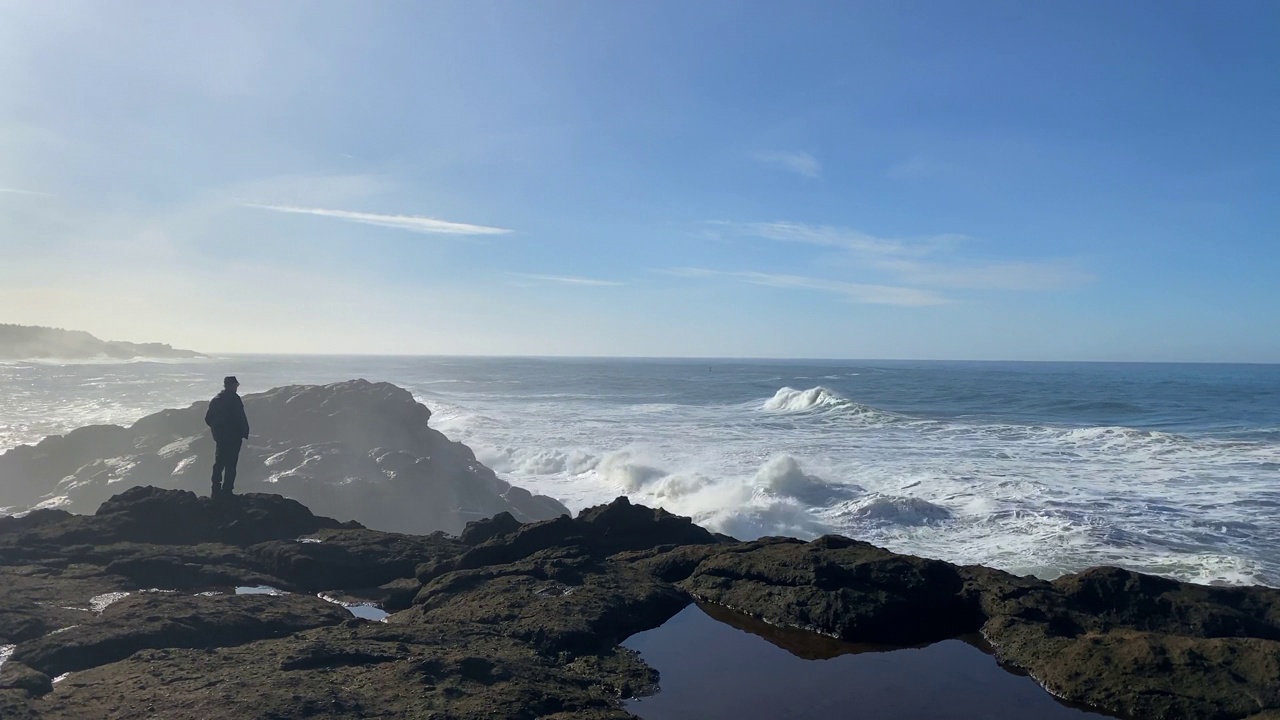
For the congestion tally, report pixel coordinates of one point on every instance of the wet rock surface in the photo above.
(137, 604)
(354, 449)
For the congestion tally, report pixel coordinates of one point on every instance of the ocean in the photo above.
(1036, 468)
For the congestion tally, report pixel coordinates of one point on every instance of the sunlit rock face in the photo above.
(354, 449)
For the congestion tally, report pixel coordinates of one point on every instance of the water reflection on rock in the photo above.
(716, 663)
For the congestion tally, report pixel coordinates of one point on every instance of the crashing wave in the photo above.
(792, 400)
(623, 469)
(761, 518)
(783, 476)
(822, 400)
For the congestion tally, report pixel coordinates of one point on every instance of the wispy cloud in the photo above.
(412, 223)
(566, 279)
(931, 262)
(800, 163)
(837, 237)
(919, 167)
(16, 191)
(854, 292)
(1006, 275)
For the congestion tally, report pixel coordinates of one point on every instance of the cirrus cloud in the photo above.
(412, 223)
(800, 163)
(865, 293)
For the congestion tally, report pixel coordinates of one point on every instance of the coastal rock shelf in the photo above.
(529, 620)
(356, 449)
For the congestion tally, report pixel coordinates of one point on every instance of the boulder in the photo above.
(603, 530)
(16, 676)
(353, 449)
(480, 531)
(850, 590)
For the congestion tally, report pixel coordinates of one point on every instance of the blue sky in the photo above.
(984, 180)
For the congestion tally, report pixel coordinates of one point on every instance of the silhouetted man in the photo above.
(230, 427)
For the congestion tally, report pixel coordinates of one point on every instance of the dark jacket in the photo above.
(226, 417)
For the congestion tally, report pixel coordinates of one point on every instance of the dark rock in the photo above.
(170, 620)
(364, 672)
(324, 655)
(1111, 597)
(18, 624)
(33, 519)
(1145, 646)
(16, 676)
(558, 601)
(352, 559)
(189, 567)
(603, 530)
(524, 622)
(478, 531)
(621, 526)
(16, 705)
(170, 517)
(850, 590)
(150, 514)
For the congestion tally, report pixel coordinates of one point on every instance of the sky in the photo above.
(927, 180)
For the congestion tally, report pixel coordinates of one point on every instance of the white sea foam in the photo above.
(783, 476)
(98, 603)
(900, 511)
(1028, 498)
(259, 590)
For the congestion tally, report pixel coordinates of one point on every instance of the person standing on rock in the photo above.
(230, 427)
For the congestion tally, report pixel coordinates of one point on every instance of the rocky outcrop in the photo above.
(170, 620)
(26, 342)
(517, 620)
(1133, 644)
(356, 449)
(599, 531)
(851, 590)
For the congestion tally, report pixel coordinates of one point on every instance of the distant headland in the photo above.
(26, 342)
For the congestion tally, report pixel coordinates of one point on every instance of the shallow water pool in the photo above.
(734, 667)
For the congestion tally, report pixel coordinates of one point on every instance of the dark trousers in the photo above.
(225, 458)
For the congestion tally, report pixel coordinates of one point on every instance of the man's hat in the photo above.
(230, 380)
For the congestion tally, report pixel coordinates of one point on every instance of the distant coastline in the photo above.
(26, 342)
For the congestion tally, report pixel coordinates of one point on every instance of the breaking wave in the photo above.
(821, 400)
(791, 400)
(778, 499)
(783, 477)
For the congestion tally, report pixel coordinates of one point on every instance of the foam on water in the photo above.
(259, 590)
(1025, 497)
(365, 610)
(98, 603)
